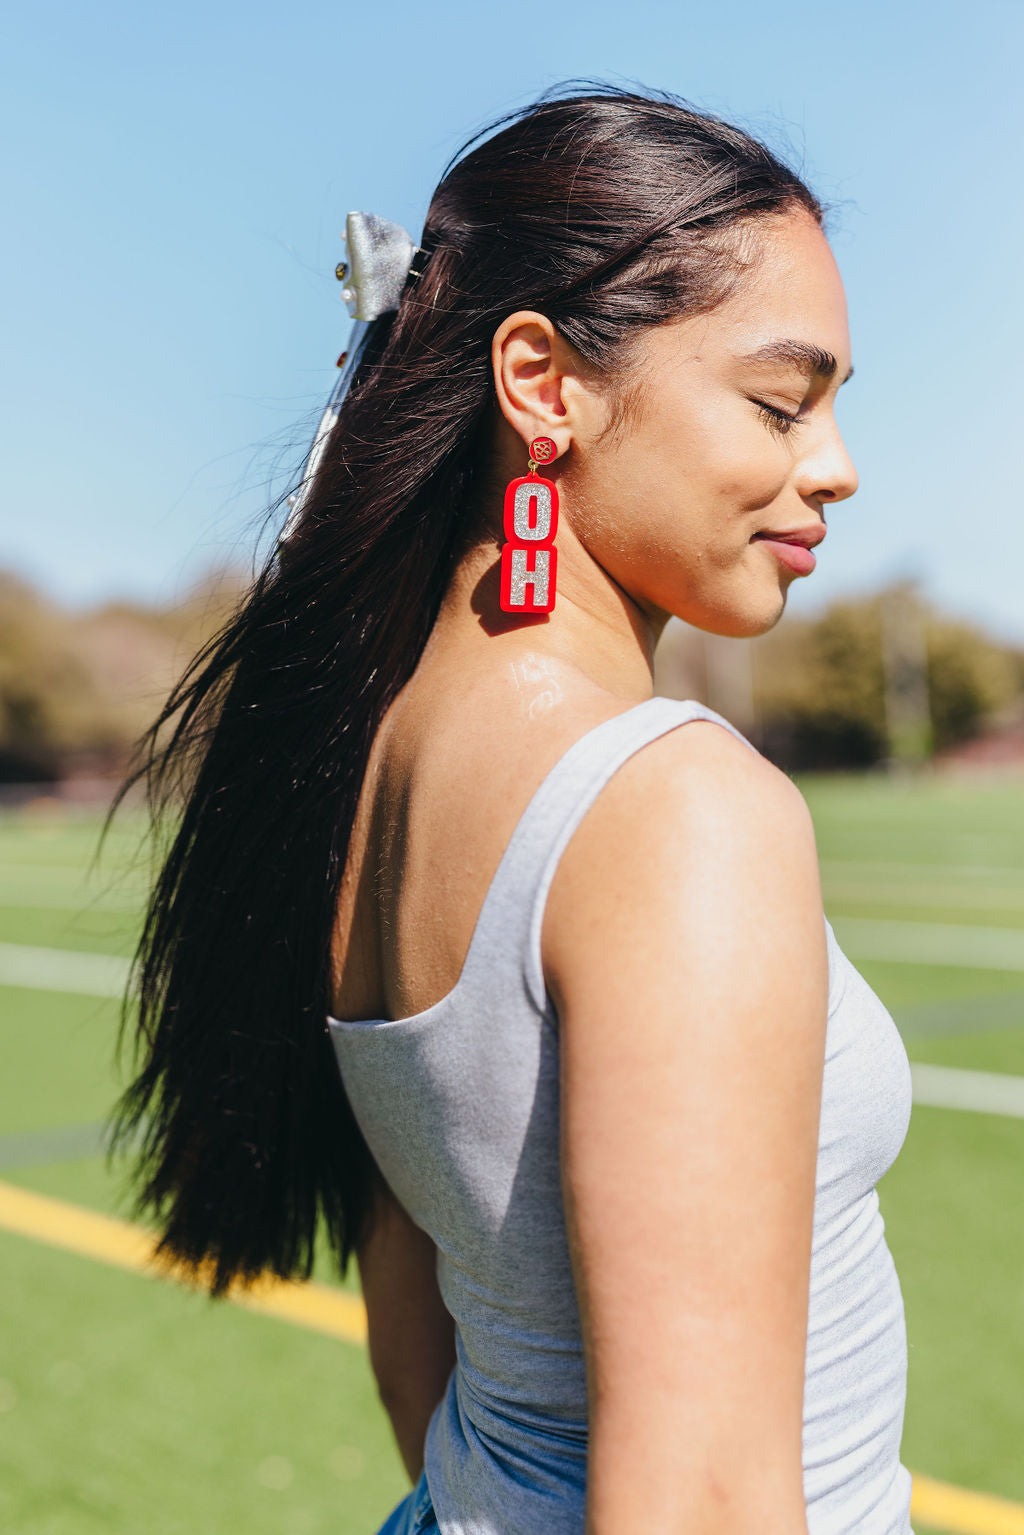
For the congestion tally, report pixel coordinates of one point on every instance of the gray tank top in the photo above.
(459, 1105)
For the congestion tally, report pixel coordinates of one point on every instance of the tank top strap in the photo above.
(506, 949)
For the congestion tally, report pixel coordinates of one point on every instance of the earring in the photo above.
(529, 557)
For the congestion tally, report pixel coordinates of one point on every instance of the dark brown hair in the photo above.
(609, 211)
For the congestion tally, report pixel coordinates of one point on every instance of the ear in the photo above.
(534, 378)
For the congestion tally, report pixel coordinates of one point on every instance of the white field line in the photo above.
(68, 888)
(104, 975)
(108, 868)
(70, 870)
(915, 943)
(44, 901)
(89, 975)
(886, 869)
(963, 897)
(932, 943)
(950, 1087)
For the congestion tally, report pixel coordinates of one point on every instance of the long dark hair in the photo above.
(607, 210)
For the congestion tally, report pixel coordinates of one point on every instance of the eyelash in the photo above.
(778, 420)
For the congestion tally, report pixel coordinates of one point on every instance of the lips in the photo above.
(808, 538)
(792, 546)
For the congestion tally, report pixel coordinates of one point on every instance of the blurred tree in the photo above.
(48, 704)
(821, 689)
(76, 689)
(824, 696)
(971, 679)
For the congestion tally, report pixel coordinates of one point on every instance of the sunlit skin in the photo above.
(667, 938)
(657, 518)
(703, 468)
(665, 508)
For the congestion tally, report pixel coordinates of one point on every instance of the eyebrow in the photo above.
(808, 358)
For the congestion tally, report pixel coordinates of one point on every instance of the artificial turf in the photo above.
(130, 1404)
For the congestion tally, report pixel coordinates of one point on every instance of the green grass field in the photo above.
(128, 1404)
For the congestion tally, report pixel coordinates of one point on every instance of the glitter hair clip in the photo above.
(379, 261)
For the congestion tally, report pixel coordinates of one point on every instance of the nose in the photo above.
(827, 472)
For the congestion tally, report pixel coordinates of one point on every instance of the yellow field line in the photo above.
(128, 1246)
(964, 1513)
(328, 1310)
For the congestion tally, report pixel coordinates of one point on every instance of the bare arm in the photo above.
(685, 947)
(412, 1340)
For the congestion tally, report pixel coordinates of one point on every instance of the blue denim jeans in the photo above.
(414, 1514)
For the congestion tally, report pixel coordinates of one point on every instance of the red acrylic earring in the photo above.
(529, 557)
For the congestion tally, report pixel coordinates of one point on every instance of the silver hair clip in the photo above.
(379, 263)
(379, 258)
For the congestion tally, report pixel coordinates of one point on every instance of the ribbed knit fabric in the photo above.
(460, 1106)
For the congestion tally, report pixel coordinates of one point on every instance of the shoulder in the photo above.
(694, 830)
(696, 762)
(692, 791)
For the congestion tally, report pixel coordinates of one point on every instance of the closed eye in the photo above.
(779, 421)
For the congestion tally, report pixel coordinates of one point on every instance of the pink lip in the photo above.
(794, 548)
(794, 555)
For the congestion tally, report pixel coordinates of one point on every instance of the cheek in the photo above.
(716, 452)
(745, 467)
(659, 483)
(681, 492)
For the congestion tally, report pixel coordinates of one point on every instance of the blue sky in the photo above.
(179, 177)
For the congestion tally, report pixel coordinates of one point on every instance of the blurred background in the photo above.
(175, 194)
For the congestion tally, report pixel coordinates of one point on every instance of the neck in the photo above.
(596, 628)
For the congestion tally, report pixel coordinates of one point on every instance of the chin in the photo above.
(765, 621)
(744, 621)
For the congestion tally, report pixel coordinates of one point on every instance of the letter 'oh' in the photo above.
(528, 558)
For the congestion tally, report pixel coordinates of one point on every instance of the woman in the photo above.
(463, 943)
